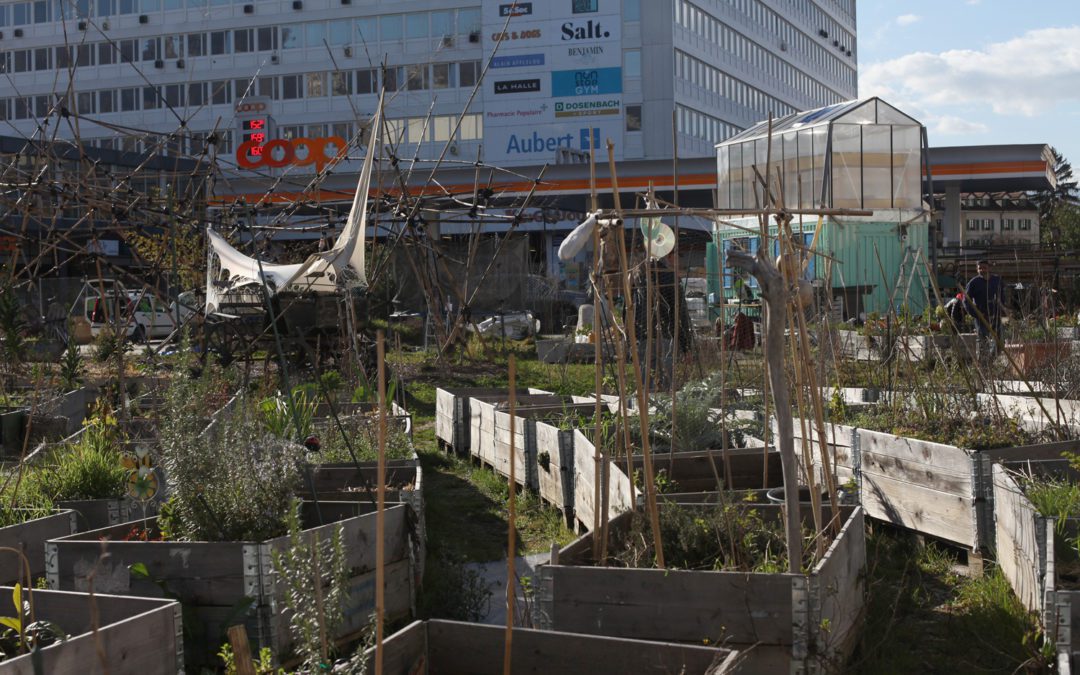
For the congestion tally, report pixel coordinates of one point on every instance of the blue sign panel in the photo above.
(517, 61)
(588, 82)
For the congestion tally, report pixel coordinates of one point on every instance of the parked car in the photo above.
(141, 315)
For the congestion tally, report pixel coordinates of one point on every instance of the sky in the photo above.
(977, 71)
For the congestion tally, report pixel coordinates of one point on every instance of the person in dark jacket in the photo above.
(984, 300)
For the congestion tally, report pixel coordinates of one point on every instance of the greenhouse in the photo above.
(861, 155)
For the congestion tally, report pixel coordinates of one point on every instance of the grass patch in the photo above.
(922, 617)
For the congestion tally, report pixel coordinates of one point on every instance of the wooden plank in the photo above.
(917, 473)
(30, 538)
(1016, 525)
(839, 583)
(456, 647)
(939, 514)
(550, 468)
(696, 605)
(937, 455)
(404, 653)
(137, 638)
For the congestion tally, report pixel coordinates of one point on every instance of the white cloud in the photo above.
(958, 126)
(1027, 75)
(907, 19)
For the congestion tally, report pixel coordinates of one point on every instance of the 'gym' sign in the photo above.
(282, 152)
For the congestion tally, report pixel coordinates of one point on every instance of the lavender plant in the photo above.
(232, 481)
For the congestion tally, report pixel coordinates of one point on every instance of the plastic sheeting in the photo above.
(324, 272)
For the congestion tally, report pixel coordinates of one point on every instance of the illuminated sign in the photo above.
(596, 81)
(254, 132)
(515, 9)
(517, 61)
(281, 152)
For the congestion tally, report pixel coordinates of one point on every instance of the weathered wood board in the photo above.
(136, 636)
(30, 538)
(438, 646)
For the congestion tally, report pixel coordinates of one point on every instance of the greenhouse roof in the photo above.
(859, 111)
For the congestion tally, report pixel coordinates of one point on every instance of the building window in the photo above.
(174, 46)
(150, 98)
(1007, 224)
(196, 94)
(340, 33)
(221, 92)
(442, 76)
(316, 34)
(196, 44)
(84, 102)
(367, 81)
(291, 86)
(105, 54)
(268, 87)
(468, 73)
(416, 25)
(988, 224)
(340, 84)
(632, 63)
(290, 37)
(342, 130)
(1025, 223)
(150, 50)
(316, 85)
(631, 10)
(585, 6)
(390, 27)
(243, 41)
(42, 60)
(633, 118)
(174, 95)
(129, 99)
(267, 39)
(393, 78)
(972, 223)
(472, 128)
(417, 77)
(107, 101)
(219, 42)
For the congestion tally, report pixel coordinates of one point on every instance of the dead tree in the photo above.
(775, 293)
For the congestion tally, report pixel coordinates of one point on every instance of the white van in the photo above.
(140, 314)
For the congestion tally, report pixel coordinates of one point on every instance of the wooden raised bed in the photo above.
(212, 578)
(932, 488)
(438, 646)
(526, 445)
(136, 636)
(30, 538)
(1027, 557)
(482, 413)
(794, 622)
(452, 414)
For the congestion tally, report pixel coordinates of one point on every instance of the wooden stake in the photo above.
(511, 544)
(599, 513)
(241, 649)
(642, 399)
(380, 515)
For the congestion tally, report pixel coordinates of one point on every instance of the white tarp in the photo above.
(322, 272)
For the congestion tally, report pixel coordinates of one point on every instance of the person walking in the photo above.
(984, 300)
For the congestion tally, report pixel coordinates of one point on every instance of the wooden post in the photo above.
(380, 513)
(599, 520)
(511, 578)
(241, 650)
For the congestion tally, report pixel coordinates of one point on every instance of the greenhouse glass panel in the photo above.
(723, 178)
(846, 166)
(863, 114)
(807, 178)
(819, 136)
(877, 167)
(791, 170)
(907, 153)
(890, 115)
(735, 173)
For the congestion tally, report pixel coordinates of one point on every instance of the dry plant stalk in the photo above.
(511, 543)
(380, 512)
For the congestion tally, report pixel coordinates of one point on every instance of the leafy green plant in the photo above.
(362, 434)
(23, 633)
(454, 590)
(264, 664)
(72, 368)
(108, 343)
(290, 417)
(88, 469)
(12, 327)
(315, 575)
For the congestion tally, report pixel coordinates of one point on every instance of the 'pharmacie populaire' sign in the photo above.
(563, 81)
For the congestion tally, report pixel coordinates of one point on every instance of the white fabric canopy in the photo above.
(322, 272)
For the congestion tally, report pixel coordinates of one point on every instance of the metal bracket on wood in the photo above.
(114, 511)
(800, 624)
(178, 635)
(543, 607)
(856, 461)
(52, 567)
(567, 469)
(980, 521)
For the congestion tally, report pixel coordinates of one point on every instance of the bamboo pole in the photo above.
(642, 399)
(380, 512)
(511, 578)
(600, 517)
